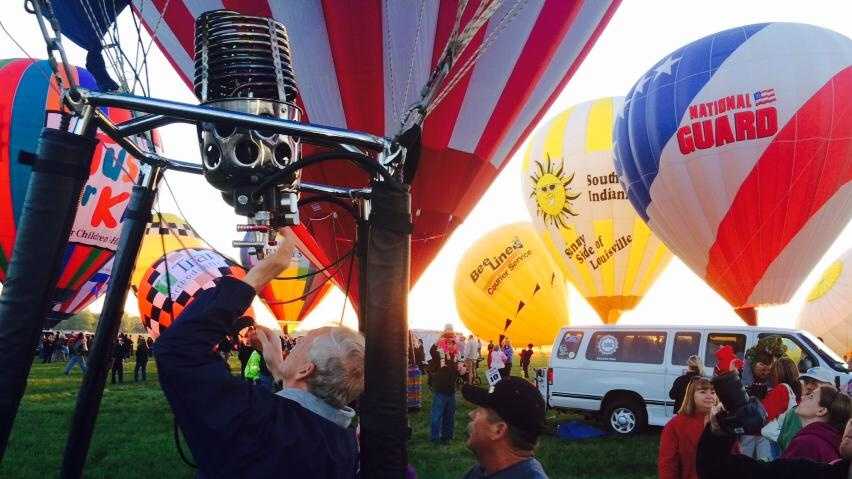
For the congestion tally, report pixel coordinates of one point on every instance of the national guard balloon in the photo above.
(736, 151)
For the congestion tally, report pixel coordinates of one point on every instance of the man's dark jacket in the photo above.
(236, 429)
(443, 378)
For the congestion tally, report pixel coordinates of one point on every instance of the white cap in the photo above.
(817, 374)
(448, 328)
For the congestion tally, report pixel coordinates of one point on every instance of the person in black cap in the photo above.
(503, 431)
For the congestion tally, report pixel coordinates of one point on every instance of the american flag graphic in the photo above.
(764, 96)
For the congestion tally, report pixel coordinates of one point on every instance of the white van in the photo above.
(623, 373)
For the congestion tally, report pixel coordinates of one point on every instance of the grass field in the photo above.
(134, 438)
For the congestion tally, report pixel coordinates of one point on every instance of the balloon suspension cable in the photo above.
(435, 89)
(321, 270)
(312, 291)
(348, 285)
(43, 10)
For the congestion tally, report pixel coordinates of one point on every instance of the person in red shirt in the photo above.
(786, 390)
(680, 436)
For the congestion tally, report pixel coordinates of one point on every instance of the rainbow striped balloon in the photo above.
(29, 101)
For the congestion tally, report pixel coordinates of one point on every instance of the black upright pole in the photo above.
(384, 300)
(362, 237)
(59, 172)
(92, 390)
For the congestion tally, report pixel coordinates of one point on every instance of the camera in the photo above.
(743, 414)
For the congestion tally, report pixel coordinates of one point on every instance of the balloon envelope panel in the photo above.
(361, 65)
(579, 207)
(170, 284)
(165, 233)
(828, 311)
(290, 300)
(735, 149)
(508, 284)
(29, 101)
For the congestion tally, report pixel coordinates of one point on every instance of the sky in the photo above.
(639, 34)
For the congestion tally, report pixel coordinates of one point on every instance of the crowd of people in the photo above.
(292, 403)
(504, 428)
(806, 424)
(74, 347)
(291, 406)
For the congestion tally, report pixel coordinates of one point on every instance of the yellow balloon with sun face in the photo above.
(583, 215)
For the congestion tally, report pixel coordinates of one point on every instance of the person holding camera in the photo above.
(679, 440)
(236, 429)
(445, 373)
(756, 377)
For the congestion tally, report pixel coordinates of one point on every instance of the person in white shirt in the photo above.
(498, 361)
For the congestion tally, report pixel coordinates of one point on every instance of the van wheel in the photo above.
(625, 417)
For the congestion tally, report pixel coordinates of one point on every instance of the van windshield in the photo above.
(836, 362)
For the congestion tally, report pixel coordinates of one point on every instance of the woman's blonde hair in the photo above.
(698, 383)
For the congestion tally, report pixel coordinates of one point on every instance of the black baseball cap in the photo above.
(516, 401)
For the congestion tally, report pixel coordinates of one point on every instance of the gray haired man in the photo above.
(236, 429)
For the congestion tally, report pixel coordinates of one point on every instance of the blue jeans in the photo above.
(75, 359)
(443, 416)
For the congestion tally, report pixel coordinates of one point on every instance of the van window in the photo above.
(831, 358)
(716, 341)
(627, 346)
(570, 345)
(685, 345)
(801, 356)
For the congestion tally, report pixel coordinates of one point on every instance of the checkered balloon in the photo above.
(171, 283)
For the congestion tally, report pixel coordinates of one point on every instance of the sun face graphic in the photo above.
(552, 193)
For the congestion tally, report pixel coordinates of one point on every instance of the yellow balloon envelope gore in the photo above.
(508, 284)
(828, 310)
(582, 213)
(165, 233)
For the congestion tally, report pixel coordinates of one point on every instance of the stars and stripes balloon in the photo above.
(360, 65)
(578, 206)
(736, 151)
(508, 284)
(172, 282)
(29, 101)
(828, 310)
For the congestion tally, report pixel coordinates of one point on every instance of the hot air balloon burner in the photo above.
(242, 64)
